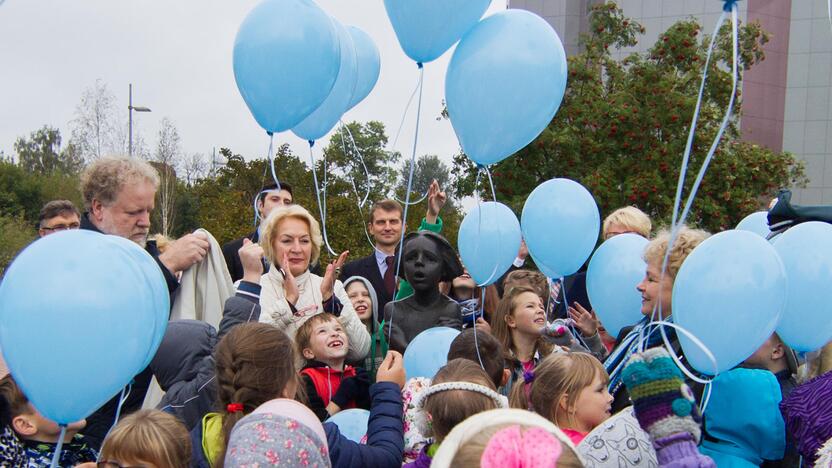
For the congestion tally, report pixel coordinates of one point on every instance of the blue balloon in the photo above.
(756, 223)
(286, 60)
(427, 28)
(489, 238)
(806, 252)
(560, 224)
(93, 319)
(729, 293)
(321, 121)
(352, 423)
(428, 351)
(504, 84)
(156, 286)
(611, 278)
(368, 65)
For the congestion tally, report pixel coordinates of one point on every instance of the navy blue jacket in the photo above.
(385, 434)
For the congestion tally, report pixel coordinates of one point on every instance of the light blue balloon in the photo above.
(428, 351)
(321, 121)
(156, 286)
(614, 271)
(368, 65)
(806, 252)
(352, 423)
(427, 28)
(286, 60)
(729, 293)
(89, 313)
(560, 223)
(756, 223)
(489, 238)
(504, 84)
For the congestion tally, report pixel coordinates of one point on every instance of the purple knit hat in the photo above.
(808, 415)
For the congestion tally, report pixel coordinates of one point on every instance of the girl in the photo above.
(569, 389)
(365, 302)
(147, 438)
(516, 325)
(291, 240)
(459, 390)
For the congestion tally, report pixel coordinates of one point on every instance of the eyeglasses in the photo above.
(62, 227)
(112, 464)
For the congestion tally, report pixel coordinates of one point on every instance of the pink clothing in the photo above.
(575, 436)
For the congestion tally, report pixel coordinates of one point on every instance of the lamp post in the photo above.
(131, 108)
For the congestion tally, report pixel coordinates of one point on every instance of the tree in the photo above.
(167, 159)
(428, 167)
(195, 166)
(623, 124)
(41, 153)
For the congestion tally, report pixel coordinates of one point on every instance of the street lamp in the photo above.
(132, 108)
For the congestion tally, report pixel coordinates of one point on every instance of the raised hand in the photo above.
(585, 320)
(392, 369)
(251, 257)
(436, 200)
(332, 272)
(290, 283)
(185, 251)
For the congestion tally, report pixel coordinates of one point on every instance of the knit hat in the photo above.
(663, 403)
(267, 439)
(807, 413)
(296, 410)
(618, 442)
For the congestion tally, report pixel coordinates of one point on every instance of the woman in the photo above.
(291, 240)
(656, 293)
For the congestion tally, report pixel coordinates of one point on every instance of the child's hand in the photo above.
(481, 324)
(584, 320)
(392, 369)
(251, 257)
(331, 274)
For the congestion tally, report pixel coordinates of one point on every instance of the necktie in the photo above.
(390, 275)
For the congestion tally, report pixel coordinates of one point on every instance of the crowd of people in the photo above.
(527, 381)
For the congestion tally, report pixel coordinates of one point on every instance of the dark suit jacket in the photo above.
(367, 267)
(232, 258)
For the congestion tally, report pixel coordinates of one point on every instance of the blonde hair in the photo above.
(686, 240)
(270, 231)
(470, 454)
(105, 178)
(558, 375)
(631, 218)
(162, 242)
(151, 436)
(499, 326)
(450, 407)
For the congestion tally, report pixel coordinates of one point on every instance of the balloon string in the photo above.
(482, 314)
(358, 200)
(321, 207)
(360, 159)
(676, 225)
(56, 457)
(270, 157)
(407, 193)
(569, 323)
(491, 276)
(125, 393)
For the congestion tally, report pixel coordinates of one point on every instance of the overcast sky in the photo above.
(177, 54)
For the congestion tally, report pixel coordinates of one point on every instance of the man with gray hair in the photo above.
(119, 195)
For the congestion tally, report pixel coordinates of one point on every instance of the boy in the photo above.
(331, 385)
(40, 435)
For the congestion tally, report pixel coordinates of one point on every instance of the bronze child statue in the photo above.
(427, 259)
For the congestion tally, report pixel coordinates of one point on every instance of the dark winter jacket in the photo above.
(323, 384)
(184, 364)
(385, 437)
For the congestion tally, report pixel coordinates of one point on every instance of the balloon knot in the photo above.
(729, 5)
(420, 65)
(269, 133)
(311, 143)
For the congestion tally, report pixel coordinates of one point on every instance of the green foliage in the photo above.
(623, 124)
(41, 153)
(16, 233)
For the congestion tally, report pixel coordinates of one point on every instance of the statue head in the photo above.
(427, 259)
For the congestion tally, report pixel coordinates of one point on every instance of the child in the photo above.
(569, 389)
(147, 438)
(40, 435)
(365, 302)
(331, 386)
(516, 325)
(460, 389)
(506, 438)
(256, 363)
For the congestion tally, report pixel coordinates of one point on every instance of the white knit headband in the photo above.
(469, 386)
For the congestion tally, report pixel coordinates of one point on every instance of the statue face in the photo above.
(422, 264)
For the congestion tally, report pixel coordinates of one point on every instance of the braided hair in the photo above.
(255, 363)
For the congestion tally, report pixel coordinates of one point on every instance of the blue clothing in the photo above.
(385, 434)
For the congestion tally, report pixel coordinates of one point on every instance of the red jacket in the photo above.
(326, 380)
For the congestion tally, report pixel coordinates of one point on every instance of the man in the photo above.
(268, 199)
(119, 195)
(385, 226)
(58, 215)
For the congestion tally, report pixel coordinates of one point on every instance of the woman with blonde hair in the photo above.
(291, 241)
